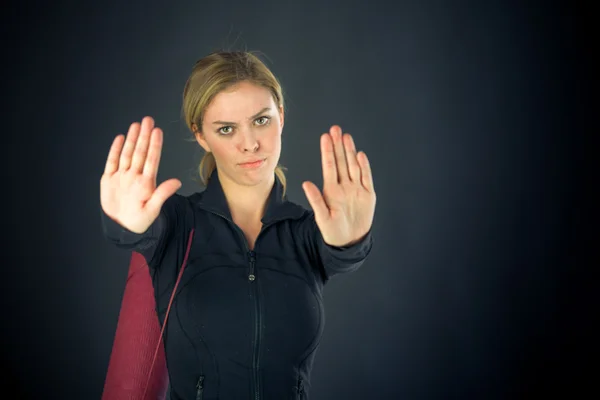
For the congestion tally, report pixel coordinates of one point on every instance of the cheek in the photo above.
(221, 150)
(272, 140)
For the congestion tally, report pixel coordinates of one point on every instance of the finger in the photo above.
(330, 175)
(112, 161)
(129, 147)
(141, 147)
(154, 153)
(162, 193)
(365, 166)
(353, 167)
(313, 194)
(340, 154)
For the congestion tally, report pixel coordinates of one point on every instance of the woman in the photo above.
(248, 313)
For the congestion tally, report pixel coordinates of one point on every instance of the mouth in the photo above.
(252, 164)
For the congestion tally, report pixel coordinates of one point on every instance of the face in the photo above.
(243, 124)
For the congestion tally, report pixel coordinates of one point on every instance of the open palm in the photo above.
(344, 211)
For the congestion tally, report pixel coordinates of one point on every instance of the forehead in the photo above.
(239, 102)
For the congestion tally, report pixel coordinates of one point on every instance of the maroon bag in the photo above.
(137, 368)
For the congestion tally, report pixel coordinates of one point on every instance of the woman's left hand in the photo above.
(344, 212)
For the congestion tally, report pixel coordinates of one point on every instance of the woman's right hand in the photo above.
(128, 192)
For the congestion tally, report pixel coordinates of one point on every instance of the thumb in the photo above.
(162, 193)
(313, 194)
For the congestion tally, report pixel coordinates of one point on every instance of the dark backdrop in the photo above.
(473, 115)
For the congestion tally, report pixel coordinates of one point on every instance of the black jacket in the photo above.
(244, 324)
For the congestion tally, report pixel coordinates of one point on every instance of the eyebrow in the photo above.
(252, 117)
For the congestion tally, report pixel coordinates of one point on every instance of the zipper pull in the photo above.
(200, 387)
(252, 257)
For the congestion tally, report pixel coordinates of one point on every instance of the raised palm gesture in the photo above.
(128, 192)
(344, 212)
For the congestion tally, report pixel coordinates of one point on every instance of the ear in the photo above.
(200, 138)
(281, 116)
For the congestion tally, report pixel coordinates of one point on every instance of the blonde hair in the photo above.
(217, 72)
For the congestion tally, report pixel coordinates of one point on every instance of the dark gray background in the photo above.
(473, 115)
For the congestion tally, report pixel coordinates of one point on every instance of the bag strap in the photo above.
(187, 252)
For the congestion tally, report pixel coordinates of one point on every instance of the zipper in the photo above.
(251, 277)
(300, 388)
(251, 254)
(200, 388)
(252, 259)
(256, 354)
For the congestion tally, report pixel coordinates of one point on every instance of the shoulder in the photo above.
(179, 200)
(194, 197)
(298, 210)
(302, 220)
(295, 213)
(178, 210)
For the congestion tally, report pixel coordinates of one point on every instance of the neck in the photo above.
(246, 203)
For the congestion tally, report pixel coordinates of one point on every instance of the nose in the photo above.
(249, 141)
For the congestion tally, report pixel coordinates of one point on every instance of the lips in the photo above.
(252, 165)
(252, 161)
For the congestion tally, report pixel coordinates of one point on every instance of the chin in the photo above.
(256, 176)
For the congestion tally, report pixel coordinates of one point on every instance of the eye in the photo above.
(265, 120)
(225, 133)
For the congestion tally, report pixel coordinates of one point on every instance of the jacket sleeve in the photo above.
(150, 243)
(337, 260)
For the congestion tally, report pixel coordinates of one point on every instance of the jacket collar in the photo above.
(278, 207)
